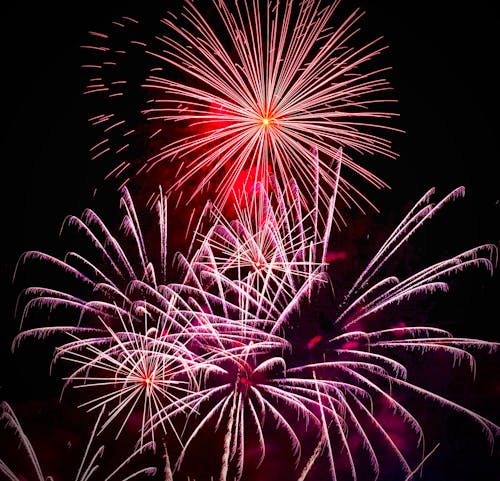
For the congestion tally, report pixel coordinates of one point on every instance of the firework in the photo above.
(127, 332)
(273, 250)
(257, 90)
(120, 276)
(355, 366)
(353, 372)
(246, 387)
(246, 356)
(229, 348)
(89, 462)
(116, 280)
(138, 371)
(137, 344)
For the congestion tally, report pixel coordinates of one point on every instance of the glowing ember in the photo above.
(314, 341)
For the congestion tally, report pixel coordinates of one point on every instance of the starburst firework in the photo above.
(263, 88)
(138, 371)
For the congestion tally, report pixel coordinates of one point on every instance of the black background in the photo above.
(443, 56)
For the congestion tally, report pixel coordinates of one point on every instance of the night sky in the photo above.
(442, 56)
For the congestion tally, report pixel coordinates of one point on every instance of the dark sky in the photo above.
(443, 55)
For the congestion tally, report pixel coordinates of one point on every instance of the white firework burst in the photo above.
(273, 250)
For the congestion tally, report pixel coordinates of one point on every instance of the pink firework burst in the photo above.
(339, 397)
(235, 348)
(136, 340)
(131, 372)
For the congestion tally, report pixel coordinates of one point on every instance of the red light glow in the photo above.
(258, 264)
(314, 341)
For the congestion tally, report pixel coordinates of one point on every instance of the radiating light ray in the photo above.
(284, 82)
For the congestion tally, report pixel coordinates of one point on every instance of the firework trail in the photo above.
(260, 89)
(89, 462)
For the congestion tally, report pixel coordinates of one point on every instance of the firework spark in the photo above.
(138, 371)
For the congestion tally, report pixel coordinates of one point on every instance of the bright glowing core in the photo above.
(266, 121)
